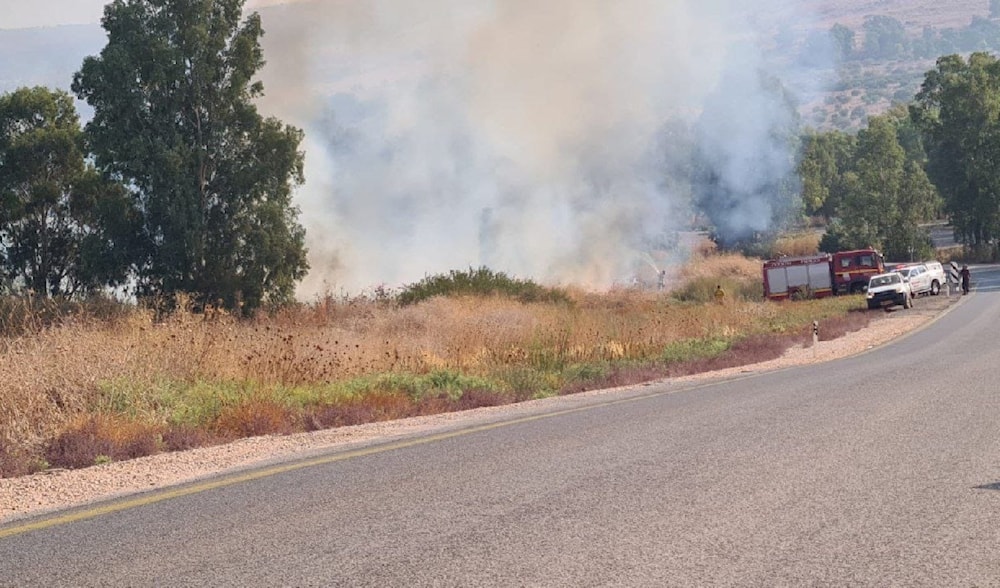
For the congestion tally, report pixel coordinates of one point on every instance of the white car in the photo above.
(924, 278)
(918, 277)
(890, 289)
(938, 278)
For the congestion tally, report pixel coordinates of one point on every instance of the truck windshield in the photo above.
(884, 280)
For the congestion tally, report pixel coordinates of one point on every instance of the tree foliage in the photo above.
(63, 229)
(885, 38)
(825, 159)
(958, 110)
(885, 193)
(174, 119)
(843, 39)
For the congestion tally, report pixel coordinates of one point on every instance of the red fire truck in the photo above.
(816, 276)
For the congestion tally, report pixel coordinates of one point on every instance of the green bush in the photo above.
(415, 386)
(692, 349)
(479, 282)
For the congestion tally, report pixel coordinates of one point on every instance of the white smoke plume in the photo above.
(523, 135)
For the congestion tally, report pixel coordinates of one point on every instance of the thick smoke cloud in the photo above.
(532, 137)
(744, 168)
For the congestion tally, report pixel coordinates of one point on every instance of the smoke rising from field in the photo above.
(532, 137)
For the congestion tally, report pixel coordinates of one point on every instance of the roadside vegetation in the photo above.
(84, 384)
(198, 226)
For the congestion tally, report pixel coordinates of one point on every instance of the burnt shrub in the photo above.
(467, 400)
(317, 418)
(480, 397)
(436, 404)
(838, 326)
(745, 351)
(183, 437)
(619, 376)
(18, 462)
(255, 417)
(370, 408)
(105, 437)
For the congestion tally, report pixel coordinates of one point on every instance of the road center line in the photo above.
(196, 488)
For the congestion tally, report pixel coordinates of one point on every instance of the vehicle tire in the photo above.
(935, 288)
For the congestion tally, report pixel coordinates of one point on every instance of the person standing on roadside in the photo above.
(720, 294)
(965, 279)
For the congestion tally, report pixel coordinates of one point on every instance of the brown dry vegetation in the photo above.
(116, 386)
(796, 245)
(914, 14)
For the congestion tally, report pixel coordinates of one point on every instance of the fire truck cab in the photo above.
(853, 269)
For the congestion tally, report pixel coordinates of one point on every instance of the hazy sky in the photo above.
(41, 13)
(533, 137)
(35, 13)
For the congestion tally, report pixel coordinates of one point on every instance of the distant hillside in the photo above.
(870, 84)
(50, 56)
(914, 14)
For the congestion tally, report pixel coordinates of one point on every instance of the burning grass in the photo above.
(112, 386)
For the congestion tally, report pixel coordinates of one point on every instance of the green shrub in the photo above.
(479, 282)
(447, 383)
(692, 349)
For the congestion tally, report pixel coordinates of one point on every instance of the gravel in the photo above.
(59, 489)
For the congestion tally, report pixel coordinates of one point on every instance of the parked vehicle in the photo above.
(816, 276)
(938, 278)
(889, 289)
(808, 276)
(924, 278)
(918, 277)
(852, 269)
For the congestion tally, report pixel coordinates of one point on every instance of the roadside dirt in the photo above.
(21, 497)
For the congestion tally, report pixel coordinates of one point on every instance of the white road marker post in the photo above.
(815, 336)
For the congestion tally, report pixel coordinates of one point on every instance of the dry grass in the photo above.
(116, 388)
(797, 245)
(724, 265)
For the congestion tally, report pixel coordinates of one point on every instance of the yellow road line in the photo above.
(197, 488)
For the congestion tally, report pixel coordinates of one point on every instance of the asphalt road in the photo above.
(878, 470)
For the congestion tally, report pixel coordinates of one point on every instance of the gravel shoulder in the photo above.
(55, 490)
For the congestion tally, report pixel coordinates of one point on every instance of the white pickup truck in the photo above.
(924, 278)
(890, 289)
